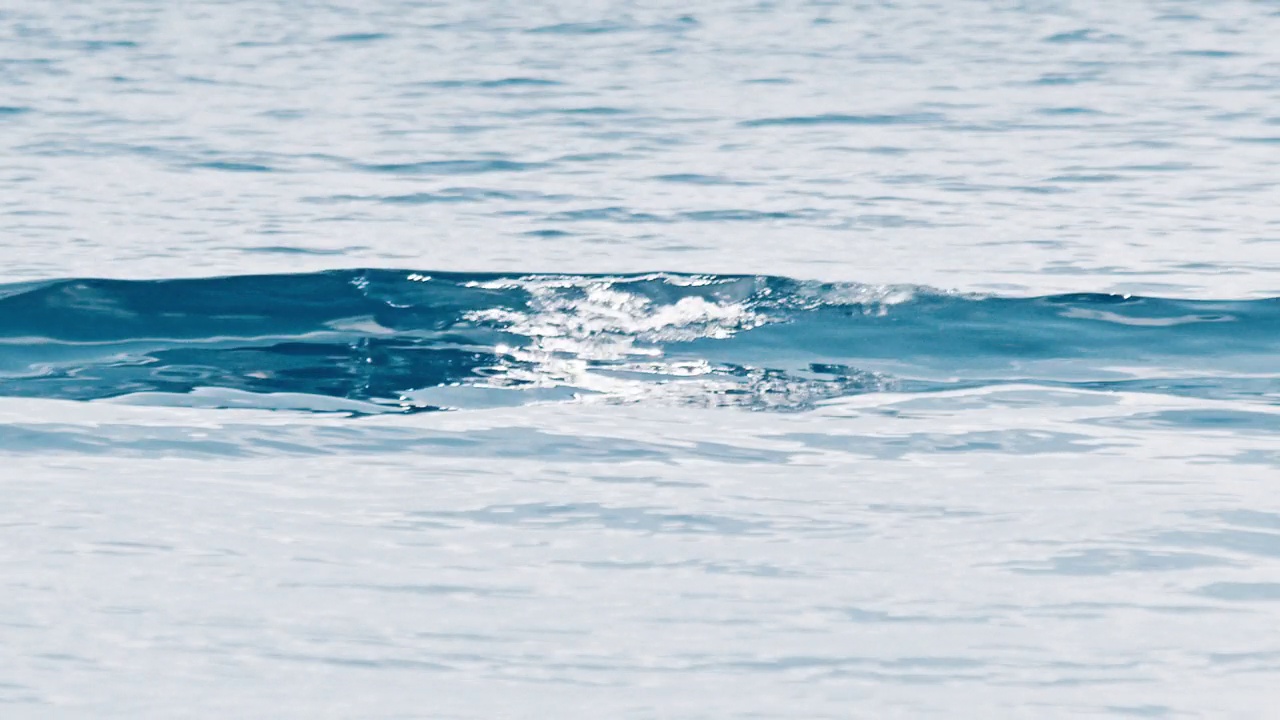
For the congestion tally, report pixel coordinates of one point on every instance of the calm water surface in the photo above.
(639, 359)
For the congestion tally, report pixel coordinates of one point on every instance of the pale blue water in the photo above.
(639, 360)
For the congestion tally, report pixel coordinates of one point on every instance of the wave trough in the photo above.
(395, 341)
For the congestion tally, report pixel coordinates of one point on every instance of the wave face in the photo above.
(382, 340)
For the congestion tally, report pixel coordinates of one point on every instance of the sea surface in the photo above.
(760, 359)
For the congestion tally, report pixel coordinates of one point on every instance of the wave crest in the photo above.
(384, 340)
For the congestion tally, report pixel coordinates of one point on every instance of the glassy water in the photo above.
(639, 359)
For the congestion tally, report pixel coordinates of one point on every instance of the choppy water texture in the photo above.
(639, 360)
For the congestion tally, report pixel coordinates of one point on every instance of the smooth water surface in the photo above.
(639, 359)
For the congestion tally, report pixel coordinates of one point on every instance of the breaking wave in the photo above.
(364, 341)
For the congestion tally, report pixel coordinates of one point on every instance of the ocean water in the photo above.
(639, 359)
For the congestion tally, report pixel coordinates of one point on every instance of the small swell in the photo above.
(401, 341)
(451, 167)
(838, 119)
(359, 37)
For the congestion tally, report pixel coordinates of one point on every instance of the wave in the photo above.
(400, 341)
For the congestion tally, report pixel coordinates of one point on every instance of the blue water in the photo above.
(639, 359)
(392, 340)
